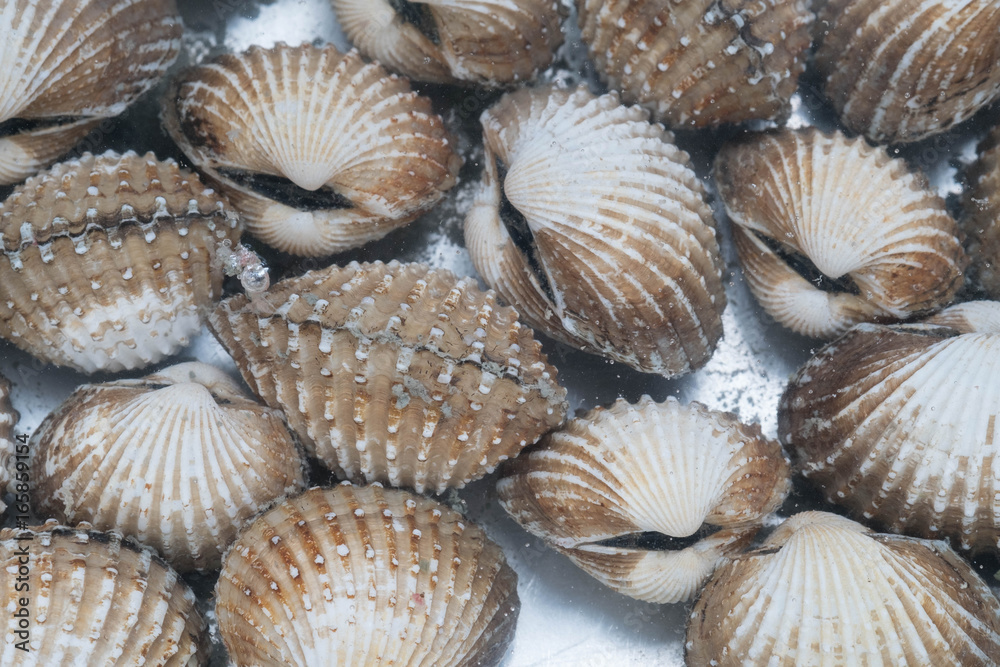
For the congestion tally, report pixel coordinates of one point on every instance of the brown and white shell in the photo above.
(8, 446)
(982, 214)
(94, 598)
(591, 222)
(902, 70)
(700, 62)
(648, 498)
(396, 373)
(831, 231)
(66, 64)
(319, 151)
(487, 42)
(180, 460)
(109, 261)
(365, 576)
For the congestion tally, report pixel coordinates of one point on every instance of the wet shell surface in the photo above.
(824, 590)
(319, 151)
(180, 460)
(982, 214)
(593, 225)
(365, 576)
(94, 599)
(109, 261)
(8, 447)
(65, 65)
(648, 498)
(902, 70)
(831, 232)
(396, 373)
(700, 63)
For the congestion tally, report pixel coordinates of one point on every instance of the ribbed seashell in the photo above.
(365, 576)
(982, 214)
(180, 460)
(93, 599)
(109, 261)
(633, 493)
(831, 232)
(902, 70)
(593, 225)
(319, 151)
(700, 62)
(824, 590)
(66, 64)
(396, 373)
(970, 317)
(8, 418)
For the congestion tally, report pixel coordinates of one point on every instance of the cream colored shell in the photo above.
(982, 214)
(970, 317)
(8, 446)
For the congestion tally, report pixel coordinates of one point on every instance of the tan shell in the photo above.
(109, 261)
(902, 70)
(66, 64)
(365, 576)
(488, 42)
(8, 446)
(180, 460)
(94, 599)
(396, 372)
(982, 214)
(632, 493)
(318, 151)
(831, 232)
(823, 590)
(593, 225)
(700, 62)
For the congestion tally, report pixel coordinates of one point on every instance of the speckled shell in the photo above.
(982, 214)
(699, 63)
(831, 232)
(593, 225)
(180, 460)
(65, 64)
(109, 261)
(318, 151)
(902, 70)
(487, 42)
(824, 590)
(632, 493)
(396, 372)
(365, 576)
(95, 599)
(8, 418)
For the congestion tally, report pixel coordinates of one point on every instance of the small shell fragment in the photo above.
(8, 446)
(982, 214)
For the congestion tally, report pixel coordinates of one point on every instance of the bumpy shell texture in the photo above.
(592, 224)
(319, 151)
(982, 214)
(365, 576)
(831, 232)
(396, 372)
(699, 63)
(8, 418)
(633, 493)
(95, 599)
(824, 590)
(109, 261)
(180, 460)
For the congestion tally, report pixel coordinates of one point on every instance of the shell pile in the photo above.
(982, 221)
(8, 418)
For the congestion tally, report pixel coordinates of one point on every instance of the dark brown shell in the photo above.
(982, 214)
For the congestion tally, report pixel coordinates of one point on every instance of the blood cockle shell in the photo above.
(319, 151)
(982, 214)
(365, 576)
(831, 231)
(593, 225)
(180, 460)
(648, 498)
(8, 418)
(108, 261)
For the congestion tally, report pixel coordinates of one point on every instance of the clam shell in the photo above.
(8, 418)
(318, 151)
(831, 232)
(365, 576)
(396, 372)
(94, 599)
(970, 317)
(700, 62)
(109, 261)
(180, 460)
(631, 493)
(982, 214)
(593, 225)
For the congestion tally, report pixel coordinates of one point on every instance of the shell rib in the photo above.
(982, 214)
(8, 418)
(593, 225)
(825, 591)
(365, 576)
(619, 489)
(831, 232)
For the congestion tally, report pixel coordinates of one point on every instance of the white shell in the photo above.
(8, 447)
